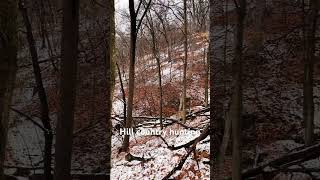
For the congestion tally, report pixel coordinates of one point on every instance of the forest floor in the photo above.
(159, 158)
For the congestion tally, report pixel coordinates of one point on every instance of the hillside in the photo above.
(249, 90)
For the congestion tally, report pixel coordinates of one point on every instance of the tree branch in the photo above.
(143, 15)
(28, 118)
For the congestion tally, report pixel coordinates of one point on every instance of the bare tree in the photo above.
(8, 68)
(184, 91)
(134, 28)
(44, 107)
(161, 13)
(69, 53)
(121, 55)
(155, 51)
(199, 14)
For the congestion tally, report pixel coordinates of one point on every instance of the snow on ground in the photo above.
(162, 159)
(25, 144)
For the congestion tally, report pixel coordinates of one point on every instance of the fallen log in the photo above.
(283, 162)
(198, 112)
(129, 157)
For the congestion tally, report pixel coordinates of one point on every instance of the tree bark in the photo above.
(110, 77)
(224, 146)
(206, 83)
(44, 107)
(69, 53)
(236, 99)
(133, 40)
(308, 103)
(217, 90)
(8, 68)
(184, 91)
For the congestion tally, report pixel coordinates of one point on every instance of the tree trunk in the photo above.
(155, 51)
(110, 77)
(134, 27)
(206, 83)
(308, 103)
(69, 53)
(161, 91)
(44, 107)
(217, 90)
(236, 99)
(133, 40)
(166, 36)
(184, 93)
(123, 95)
(8, 68)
